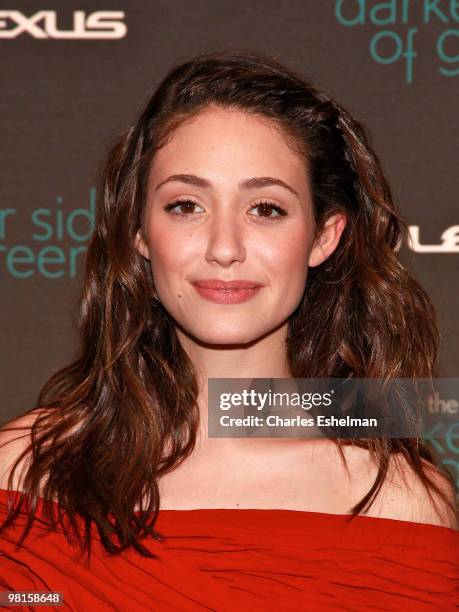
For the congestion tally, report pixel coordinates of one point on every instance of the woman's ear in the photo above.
(141, 245)
(328, 239)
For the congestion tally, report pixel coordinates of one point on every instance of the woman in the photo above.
(237, 169)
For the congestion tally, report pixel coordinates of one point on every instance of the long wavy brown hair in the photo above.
(125, 411)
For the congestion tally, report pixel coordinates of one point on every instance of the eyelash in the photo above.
(281, 211)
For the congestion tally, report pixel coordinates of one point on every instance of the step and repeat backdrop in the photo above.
(74, 73)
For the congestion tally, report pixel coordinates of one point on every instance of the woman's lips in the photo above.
(232, 292)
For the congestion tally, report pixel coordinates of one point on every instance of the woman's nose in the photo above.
(225, 240)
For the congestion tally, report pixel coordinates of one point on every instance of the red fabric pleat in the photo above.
(245, 559)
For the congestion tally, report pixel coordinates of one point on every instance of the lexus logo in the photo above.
(97, 26)
(449, 241)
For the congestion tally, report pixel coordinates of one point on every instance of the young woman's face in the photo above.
(228, 200)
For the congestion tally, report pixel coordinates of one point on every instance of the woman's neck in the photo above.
(263, 358)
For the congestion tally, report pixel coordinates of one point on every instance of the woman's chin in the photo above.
(220, 336)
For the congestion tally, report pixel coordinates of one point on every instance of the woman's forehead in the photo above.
(232, 142)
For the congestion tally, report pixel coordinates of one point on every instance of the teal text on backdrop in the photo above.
(388, 46)
(55, 247)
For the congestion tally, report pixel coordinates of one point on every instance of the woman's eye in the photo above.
(266, 208)
(185, 208)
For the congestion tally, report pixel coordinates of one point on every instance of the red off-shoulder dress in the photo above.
(245, 560)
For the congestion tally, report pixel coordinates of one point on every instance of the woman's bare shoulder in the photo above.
(406, 496)
(403, 495)
(14, 440)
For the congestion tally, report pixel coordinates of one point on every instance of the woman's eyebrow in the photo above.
(252, 183)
